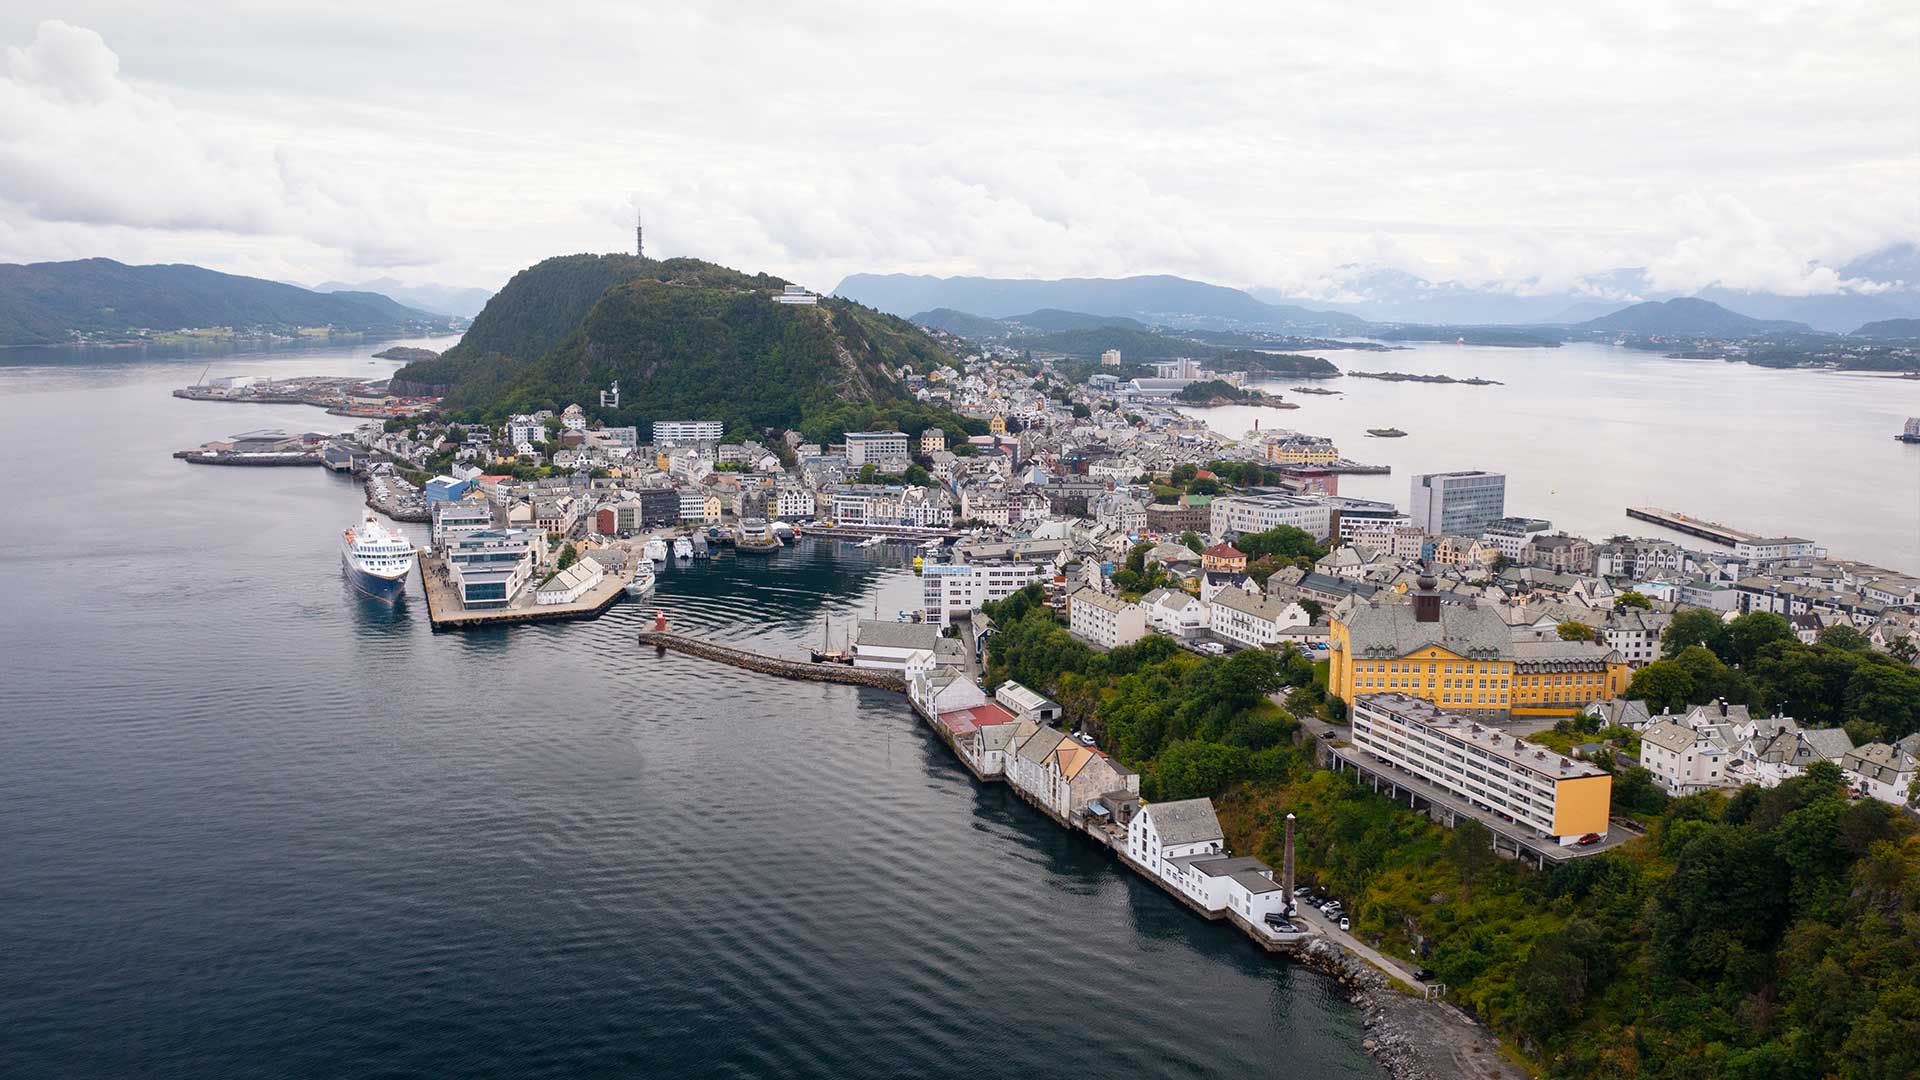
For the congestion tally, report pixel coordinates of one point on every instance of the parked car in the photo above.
(1424, 975)
(1343, 922)
(1211, 648)
(1302, 892)
(1590, 838)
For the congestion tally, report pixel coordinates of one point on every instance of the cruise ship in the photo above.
(376, 558)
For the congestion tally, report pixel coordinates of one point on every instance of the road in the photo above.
(1330, 929)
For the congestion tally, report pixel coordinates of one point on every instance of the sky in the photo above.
(1754, 144)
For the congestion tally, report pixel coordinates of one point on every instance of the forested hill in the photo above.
(686, 340)
(99, 299)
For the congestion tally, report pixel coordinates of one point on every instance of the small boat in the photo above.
(656, 549)
(683, 548)
(1386, 433)
(932, 545)
(826, 653)
(872, 541)
(784, 531)
(643, 579)
(700, 548)
(1912, 431)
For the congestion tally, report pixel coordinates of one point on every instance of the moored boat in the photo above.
(643, 579)
(683, 548)
(376, 558)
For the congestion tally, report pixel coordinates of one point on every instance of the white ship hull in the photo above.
(376, 559)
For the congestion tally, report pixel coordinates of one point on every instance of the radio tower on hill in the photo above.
(639, 237)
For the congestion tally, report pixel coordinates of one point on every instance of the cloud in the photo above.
(80, 145)
(1524, 146)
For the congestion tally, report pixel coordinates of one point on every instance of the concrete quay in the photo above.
(445, 611)
(804, 670)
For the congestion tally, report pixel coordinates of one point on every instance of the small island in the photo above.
(1214, 392)
(1401, 376)
(407, 353)
(1313, 390)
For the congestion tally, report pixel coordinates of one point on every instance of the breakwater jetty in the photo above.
(804, 670)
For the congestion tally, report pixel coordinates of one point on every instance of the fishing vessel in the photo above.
(683, 548)
(1912, 431)
(1386, 433)
(656, 550)
(376, 558)
(642, 582)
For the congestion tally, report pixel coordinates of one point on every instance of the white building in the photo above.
(792, 502)
(693, 504)
(489, 568)
(1458, 503)
(1254, 620)
(672, 433)
(1882, 771)
(573, 418)
(1557, 796)
(460, 517)
(932, 441)
(1110, 358)
(795, 294)
(1104, 621)
(889, 645)
(949, 589)
(570, 584)
(885, 450)
(1686, 761)
(1026, 704)
(1175, 613)
(1233, 515)
(1164, 832)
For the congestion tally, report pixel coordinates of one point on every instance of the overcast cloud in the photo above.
(1752, 144)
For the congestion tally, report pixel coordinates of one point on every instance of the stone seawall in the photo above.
(773, 665)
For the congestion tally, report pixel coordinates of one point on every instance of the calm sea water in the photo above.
(257, 826)
(1584, 431)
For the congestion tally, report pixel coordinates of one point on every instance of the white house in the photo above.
(1882, 771)
(1254, 620)
(891, 646)
(570, 584)
(1026, 704)
(1163, 832)
(1684, 760)
(1104, 621)
(941, 689)
(1175, 613)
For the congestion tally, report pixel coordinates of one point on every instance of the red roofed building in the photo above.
(962, 723)
(1224, 558)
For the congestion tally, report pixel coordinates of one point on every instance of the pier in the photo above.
(445, 611)
(804, 670)
(1715, 531)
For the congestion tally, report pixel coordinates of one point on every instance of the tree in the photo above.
(1192, 769)
(1748, 633)
(917, 475)
(1080, 411)
(1903, 649)
(1471, 850)
(1633, 599)
(1842, 636)
(1191, 541)
(1311, 607)
(1692, 626)
(1574, 630)
(567, 557)
(1662, 684)
(1281, 541)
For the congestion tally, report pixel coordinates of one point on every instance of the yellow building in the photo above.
(997, 425)
(1559, 797)
(1465, 658)
(1302, 451)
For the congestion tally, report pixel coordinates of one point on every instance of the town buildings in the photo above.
(1558, 797)
(1458, 503)
(1104, 621)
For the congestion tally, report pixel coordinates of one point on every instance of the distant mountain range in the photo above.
(1888, 288)
(440, 299)
(1685, 317)
(1045, 321)
(1156, 300)
(99, 299)
(1891, 330)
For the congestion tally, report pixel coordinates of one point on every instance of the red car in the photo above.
(1590, 838)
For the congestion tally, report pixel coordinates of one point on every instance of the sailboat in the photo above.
(826, 653)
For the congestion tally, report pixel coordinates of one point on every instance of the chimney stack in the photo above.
(1286, 867)
(1426, 600)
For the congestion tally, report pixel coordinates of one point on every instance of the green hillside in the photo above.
(685, 339)
(99, 299)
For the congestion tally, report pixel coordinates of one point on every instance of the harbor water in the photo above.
(257, 825)
(1585, 431)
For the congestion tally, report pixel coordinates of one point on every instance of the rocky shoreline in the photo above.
(1409, 1038)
